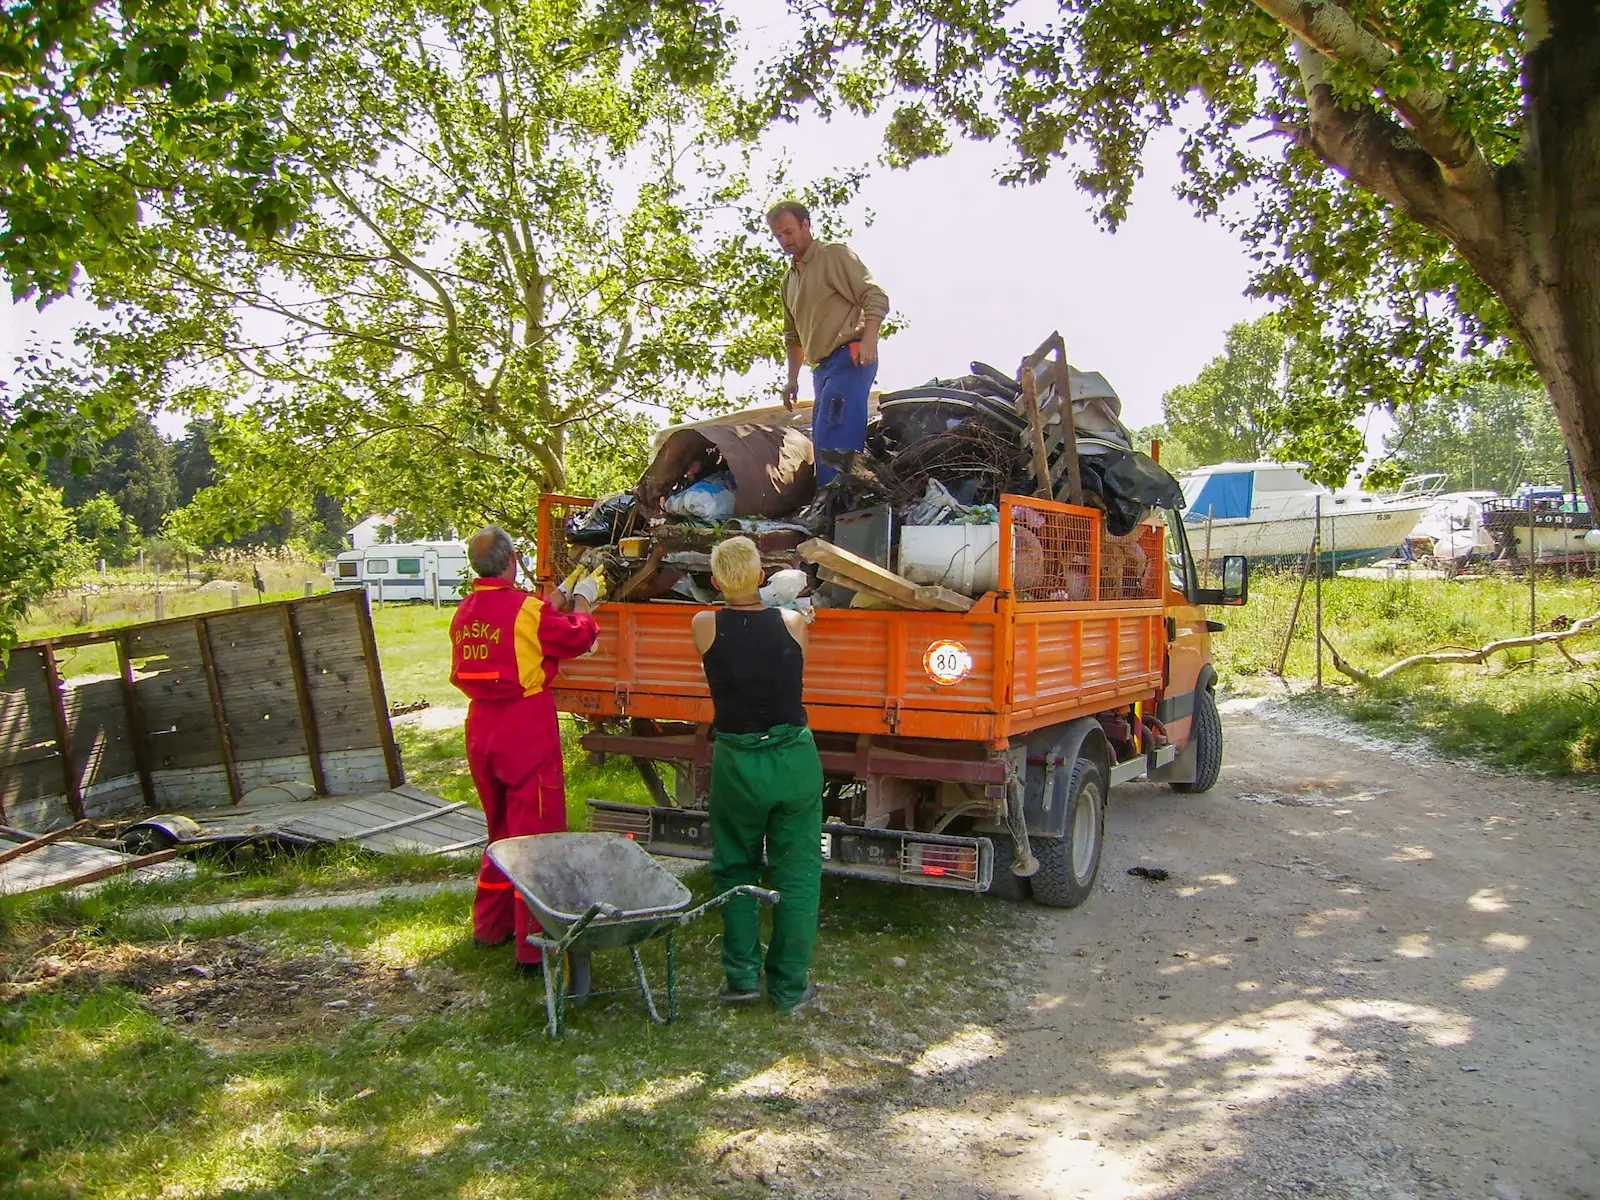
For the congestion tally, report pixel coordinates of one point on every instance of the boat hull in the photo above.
(1347, 539)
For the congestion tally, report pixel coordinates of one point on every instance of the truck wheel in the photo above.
(1207, 734)
(1006, 886)
(1069, 865)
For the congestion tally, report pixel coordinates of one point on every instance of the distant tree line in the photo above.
(1247, 405)
(129, 492)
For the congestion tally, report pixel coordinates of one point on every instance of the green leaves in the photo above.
(1381, 304)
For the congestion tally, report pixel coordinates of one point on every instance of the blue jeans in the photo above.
(839, 418)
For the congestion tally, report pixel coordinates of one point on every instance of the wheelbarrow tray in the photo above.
(560, 876)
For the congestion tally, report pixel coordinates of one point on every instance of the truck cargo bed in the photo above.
(1075, 627)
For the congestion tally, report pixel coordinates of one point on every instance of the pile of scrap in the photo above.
(914, 521)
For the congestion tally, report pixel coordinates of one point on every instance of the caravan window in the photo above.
(377, 566)
(408, 566)
(349, 570)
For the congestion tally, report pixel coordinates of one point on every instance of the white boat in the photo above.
(1267, 510)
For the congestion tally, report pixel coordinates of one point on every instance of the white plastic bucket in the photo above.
(964, 558)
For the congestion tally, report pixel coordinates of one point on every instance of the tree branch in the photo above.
(1367, 147)
(1482, 654)
(1334, 32)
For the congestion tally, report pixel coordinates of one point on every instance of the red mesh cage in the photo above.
(1055, 551)
(1061, 552)
(557, 558)
(1130, 567)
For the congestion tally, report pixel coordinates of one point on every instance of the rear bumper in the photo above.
(962, 864)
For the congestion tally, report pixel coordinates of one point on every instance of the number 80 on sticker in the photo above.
(947, 662)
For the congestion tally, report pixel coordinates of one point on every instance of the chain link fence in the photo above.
(1351, 580)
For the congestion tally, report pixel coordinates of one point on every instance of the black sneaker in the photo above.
(729, 994)
(805, 1001)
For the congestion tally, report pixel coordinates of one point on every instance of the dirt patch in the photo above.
(1367, 976)
(230, 994)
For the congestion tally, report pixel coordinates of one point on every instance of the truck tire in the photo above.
(1006, 886)
(1207, 734)
(1069, 865)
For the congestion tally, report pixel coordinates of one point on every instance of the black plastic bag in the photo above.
(603, 524)
(1130, 483)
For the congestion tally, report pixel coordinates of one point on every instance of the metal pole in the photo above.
(1533, 554)
(1210, 509)
(1317, 543)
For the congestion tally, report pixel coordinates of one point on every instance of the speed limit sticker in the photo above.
(947, 662)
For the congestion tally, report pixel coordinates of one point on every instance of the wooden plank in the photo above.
(131, 864)
(1035, 433)
(920, 597)
(380, 702)
(219, 714)
(58, 706)
(302, 696)
(857, 587)
(178, 624)
(43, 839)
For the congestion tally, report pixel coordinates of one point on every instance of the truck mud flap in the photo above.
(962, 864)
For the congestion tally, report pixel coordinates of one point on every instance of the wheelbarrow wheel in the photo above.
(578, 976)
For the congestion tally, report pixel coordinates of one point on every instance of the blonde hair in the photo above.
(736, 563)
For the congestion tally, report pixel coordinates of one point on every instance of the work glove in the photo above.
(566, 585)
(591, 587)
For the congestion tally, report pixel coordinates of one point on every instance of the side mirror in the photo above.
(1235, 580)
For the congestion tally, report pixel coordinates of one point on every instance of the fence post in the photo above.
(161, 607)
(1533, 557)
(102, 566)
(433, 582)
(84, 619)
(1317, 548)
(380, 591)
(1210, 510)
(308, 587)
(236, 595)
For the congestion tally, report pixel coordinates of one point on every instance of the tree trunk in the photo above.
(1561, 323)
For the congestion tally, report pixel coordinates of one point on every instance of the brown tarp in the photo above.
(772, 467)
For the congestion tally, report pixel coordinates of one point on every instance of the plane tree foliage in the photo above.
(1417, 180)
(511, 236)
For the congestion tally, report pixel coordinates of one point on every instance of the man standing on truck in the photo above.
(831, 313)
(505, 646)
(766, 781)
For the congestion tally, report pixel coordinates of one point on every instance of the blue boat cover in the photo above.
(1224, 497)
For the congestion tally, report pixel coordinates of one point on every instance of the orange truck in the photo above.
(972, 750)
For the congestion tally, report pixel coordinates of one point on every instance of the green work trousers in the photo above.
(767, 787)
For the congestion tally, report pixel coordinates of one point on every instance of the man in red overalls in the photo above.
(505, 648)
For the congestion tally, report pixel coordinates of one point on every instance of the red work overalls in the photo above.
(505, 646)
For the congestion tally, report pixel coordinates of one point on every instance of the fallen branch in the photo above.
(1482, 654)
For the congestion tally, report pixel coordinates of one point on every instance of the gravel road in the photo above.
(1370, 974)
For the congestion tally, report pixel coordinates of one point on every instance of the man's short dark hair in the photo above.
(490, 551)
(791, 207)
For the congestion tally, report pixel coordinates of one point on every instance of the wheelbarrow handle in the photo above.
(765, 895)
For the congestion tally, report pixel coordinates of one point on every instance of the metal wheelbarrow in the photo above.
(601, 891)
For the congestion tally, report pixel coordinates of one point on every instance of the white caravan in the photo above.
(404, 570)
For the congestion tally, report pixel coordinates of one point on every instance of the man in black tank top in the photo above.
(766, 781)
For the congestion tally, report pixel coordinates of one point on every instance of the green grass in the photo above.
(1541, 717)
(142, 1060)
(437, 1078)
